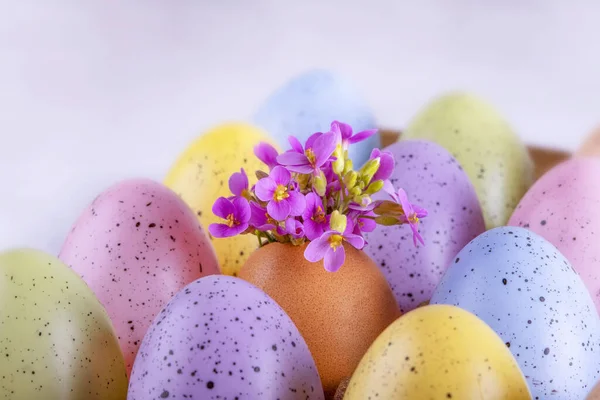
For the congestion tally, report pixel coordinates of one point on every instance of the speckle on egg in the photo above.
(223, 338)
(544, 312)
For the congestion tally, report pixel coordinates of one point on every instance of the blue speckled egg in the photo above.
(309, 103)
(222, 338)
(435, 181)
(526, 290)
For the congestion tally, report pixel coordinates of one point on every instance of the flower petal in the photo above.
(311, 140)
(406, 206)
(265, 188)
(279, 210)
(312, 229)
(223, 207)
(323, 148)
(297, 203)
(258, 215)
(242, 210)
(238, 182)
(334, 259)
(281, 176)
(292, 158)
(356, 241)
(296, 145)
(416, 235)
(266, 153)
(301, 169)
(389, 189)
(366, 224)
(386, 167)
(223, 231)
(317, 248)
(311, 205)
(360, 136)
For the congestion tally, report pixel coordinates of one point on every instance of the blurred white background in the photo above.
(95, 91)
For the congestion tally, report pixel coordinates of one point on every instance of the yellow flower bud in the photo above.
(338, 221)
(350, 179)
(369, 169)
(386, 221)
(355, 191)
(338, 164)
(374, 187)
(348, 166)
(320, 184)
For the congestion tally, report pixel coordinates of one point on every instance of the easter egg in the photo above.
(136, 245)
(492, 155)
(56, 340)
(590, 147)
(528, 293)
(223, 338)
(563, 207)
(438, 352)
(435, 181)
(310, 102)
(201, 174)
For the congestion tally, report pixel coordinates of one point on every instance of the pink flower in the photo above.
(314, 217)
(267, 154)
(236, 214)
(344, 134)
(282, 201)
(238, 184)
(411, 213)
(319, 148)
(329, 246)
(294, 228)
(363, 225)
(386, 164)
(261, 220)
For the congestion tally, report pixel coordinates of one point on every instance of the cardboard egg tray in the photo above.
(543, 158)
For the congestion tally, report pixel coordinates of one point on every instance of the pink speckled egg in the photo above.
(563, 206)
(136, 246)
(433, 179)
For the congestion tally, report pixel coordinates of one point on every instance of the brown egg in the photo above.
(590, 146)
(341, 390)
(339, 314)
(595, 393)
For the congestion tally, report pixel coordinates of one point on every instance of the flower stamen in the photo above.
(335, 241)
(310, 154)
(231, 221)
(281, 193)
(319, 215)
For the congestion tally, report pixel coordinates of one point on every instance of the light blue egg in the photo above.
(526, 290)
(309, 103)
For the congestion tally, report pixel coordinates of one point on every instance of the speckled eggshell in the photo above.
(493, 156)
(201, 173)
(526, 290)
(309, 102)
(438, 352)
(223, 338)
(56, 340)
(564, 207)
(434, 180)
(136, 245)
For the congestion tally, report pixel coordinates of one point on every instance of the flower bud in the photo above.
(261, 174)
(374, 187)
(350, 179)
(386, 220)
(348, 166)
(338, 164)
(320, 184)
(369, 169)
(355, 191)
(338, 221)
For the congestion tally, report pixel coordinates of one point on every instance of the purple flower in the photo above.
(294, 228)
(319, 148)
(267, 154)
(386, 164)
(282, 202)
(363, 224)
(236, 214)
(329, 246)
(411, 214)
(238, 184)
(261, 220)
(315, 220)
(344, 134)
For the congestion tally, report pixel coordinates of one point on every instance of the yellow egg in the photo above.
(492, 155)
(438, 352)
(201, 175)
(56, 340)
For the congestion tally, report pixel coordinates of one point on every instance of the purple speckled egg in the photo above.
(563, 207)
(433, 179)
(135, 246)
(223, 338)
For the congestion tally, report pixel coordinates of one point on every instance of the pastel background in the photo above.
(92, 92)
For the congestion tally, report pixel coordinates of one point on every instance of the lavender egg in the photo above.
(433, 179)
(223, 338)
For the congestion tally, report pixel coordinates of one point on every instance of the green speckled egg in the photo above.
(438, 352)
(492, 155)
(56, 340)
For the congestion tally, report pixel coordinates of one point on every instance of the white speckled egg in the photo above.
(136, 245)
(223, 338)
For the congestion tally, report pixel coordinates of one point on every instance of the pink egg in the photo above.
(563, 206)
(136, 246)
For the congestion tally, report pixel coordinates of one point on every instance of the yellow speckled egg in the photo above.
(201, 175)
(492, 155)
(438, 352)
(56, 339)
